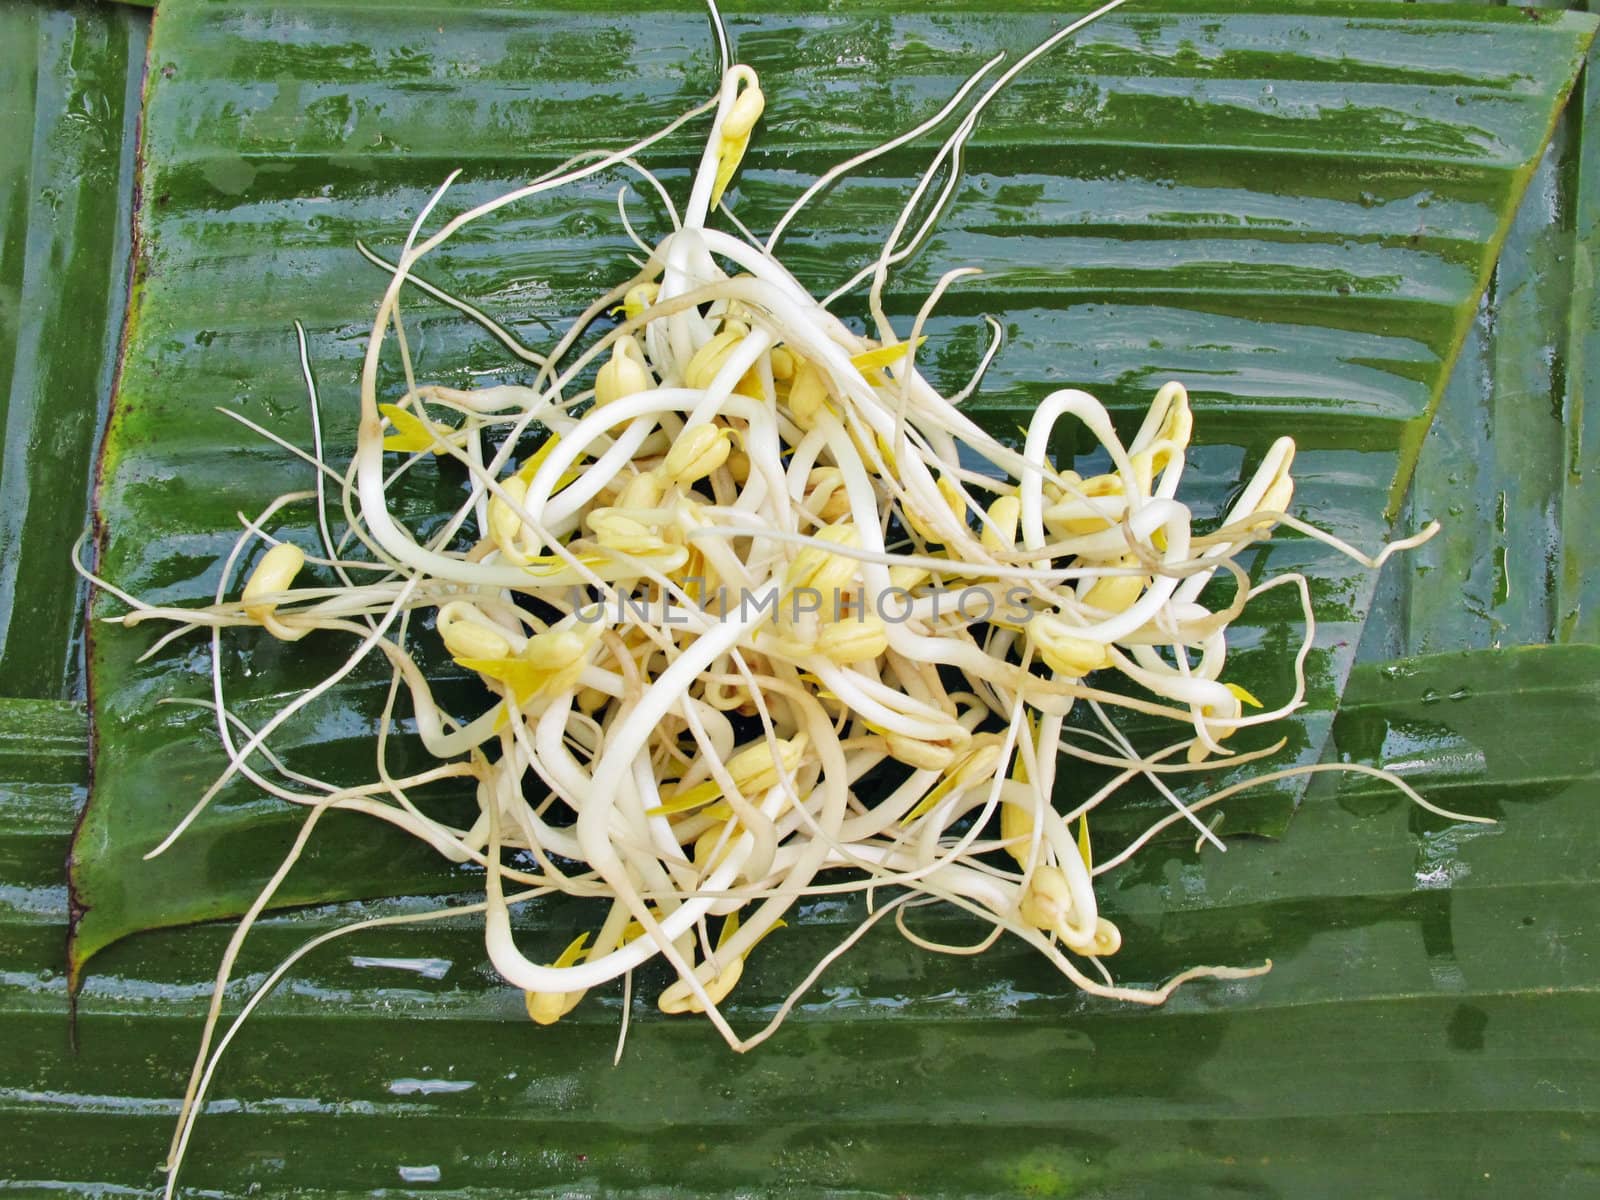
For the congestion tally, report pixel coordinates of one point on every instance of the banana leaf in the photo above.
(1294, 210)
(69, 80)
(1518, 561)
(1429, 1027)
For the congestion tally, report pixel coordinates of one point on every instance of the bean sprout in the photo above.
(751, 624)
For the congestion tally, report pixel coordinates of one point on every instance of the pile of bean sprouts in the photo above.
(764, 616)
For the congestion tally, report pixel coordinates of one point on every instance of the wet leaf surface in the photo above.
(1304, 243)
(1429, 1025)
(1293, 212)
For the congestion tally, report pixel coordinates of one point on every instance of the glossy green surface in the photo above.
(1293, 211)
(1430, 1027)
(1510, 464)
(69, 104)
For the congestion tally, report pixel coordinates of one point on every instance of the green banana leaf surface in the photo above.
(1510, 464)
(70, 77)
(1296, 208)
(1290, 287)
(1428, 1028)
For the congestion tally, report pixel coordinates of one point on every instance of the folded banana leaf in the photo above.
(69, 83)
(1294, 209)
(1518, 561)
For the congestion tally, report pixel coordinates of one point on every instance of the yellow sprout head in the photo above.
(273, 576)
(740, 119)
(624, 374)
(546, 1008)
